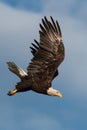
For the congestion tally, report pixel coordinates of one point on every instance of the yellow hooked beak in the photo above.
(59, 94)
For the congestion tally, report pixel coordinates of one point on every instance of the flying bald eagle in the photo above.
(48, 54)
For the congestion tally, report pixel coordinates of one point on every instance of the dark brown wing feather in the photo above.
(49, 53)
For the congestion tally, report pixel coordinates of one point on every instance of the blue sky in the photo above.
(19, 25)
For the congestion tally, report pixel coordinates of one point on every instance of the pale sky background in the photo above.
(19, 25)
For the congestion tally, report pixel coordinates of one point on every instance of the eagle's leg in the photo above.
(12, 92)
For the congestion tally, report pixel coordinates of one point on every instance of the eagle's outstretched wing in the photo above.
(49, 53)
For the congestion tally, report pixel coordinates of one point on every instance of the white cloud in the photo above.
(14, 22)
(17, 31)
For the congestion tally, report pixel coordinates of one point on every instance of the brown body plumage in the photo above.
(43, 68)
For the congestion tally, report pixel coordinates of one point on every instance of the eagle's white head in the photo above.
(53, 92)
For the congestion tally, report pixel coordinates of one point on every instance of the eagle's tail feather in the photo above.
(16, 70)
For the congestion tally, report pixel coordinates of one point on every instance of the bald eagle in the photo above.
(48, 54)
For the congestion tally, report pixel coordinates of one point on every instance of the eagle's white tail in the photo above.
(16, 70)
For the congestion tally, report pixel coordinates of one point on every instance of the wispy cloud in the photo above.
(17, 27)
